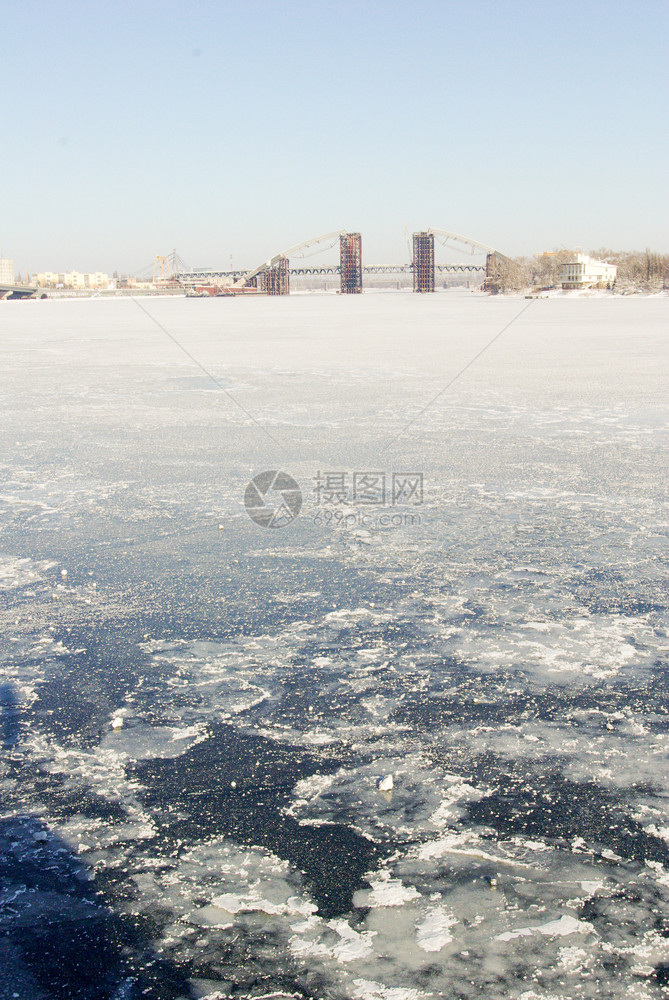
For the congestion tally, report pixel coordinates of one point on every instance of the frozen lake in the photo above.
(197, 708)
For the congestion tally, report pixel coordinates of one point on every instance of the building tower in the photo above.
(6, 271)
(350, 263)
(423, 262)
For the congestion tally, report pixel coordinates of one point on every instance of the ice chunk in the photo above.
(554, 928)
(367, 989)
(434, 931)
(387, 891)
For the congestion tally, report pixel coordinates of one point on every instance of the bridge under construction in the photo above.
(272, 276)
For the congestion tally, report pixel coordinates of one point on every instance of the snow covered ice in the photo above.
(388, 750)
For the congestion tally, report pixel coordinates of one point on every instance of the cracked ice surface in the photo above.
(501, 653)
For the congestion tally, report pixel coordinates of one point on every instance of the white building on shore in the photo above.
(6, 271)
(71, 279)
(582, 271)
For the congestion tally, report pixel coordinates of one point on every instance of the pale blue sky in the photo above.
(241, 128)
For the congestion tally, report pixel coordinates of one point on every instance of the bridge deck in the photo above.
(199, 275)
(17, 291)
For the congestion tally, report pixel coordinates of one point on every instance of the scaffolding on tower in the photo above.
(276, 279)
(423, 262)
(350, 263)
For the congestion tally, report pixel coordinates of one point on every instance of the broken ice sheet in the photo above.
(504, 659)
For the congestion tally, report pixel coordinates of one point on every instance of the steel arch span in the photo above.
(474, 245)
(285, 254)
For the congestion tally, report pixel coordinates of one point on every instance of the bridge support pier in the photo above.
(350, 263)
(423, 262)
(276, 279)
(493, 277)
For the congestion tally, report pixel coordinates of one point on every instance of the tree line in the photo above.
(638, 271)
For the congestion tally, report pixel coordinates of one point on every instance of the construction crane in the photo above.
(409, 247)
(162, 269)
(167, 268)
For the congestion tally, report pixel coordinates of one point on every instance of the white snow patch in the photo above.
(252, 902)
(572, 959)
(554, 928)
(387, 891)
(367, 989)
(658, 831)
(433, 932)
(310, 788)
(591, 887)
(350, 946)
(448, 809)
(187, 732)
(16, 572)
(353, 944)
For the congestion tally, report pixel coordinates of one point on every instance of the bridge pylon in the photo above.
(275, 280)
(423, 262)
(494, 273)
(350, 263)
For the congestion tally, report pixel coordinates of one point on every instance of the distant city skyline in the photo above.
(239, 129)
